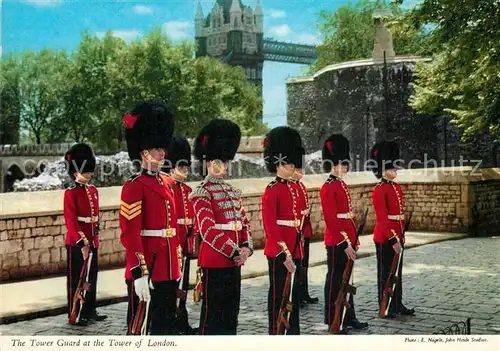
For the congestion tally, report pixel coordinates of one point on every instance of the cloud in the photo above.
(43, 3)
(143, 10)
(127, 35)
(177, 29)
(280, 31)
(306, 38)
(284, 32)
(276, 13)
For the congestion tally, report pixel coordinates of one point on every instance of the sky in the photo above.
(58, 24)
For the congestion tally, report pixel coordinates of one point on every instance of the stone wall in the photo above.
(32, 227)
(367, 102)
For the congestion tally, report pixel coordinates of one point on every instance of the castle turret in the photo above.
(259, 18)
(235, 14)
(199, 21)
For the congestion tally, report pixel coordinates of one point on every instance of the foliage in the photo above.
(84, 97)
(463, 80)
(349, 33)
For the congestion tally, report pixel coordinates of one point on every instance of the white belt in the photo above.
(347, 215)
(161, 233)
(396, 217)
(93, 219)
(183, 221)
(303, 212)
(235, 226)
(288, 223)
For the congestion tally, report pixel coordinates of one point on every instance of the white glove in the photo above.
(142, 288)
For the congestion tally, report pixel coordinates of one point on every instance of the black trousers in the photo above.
(385, 255)
(181, 320)
(221, 301)
(277, 277)
(74, 266)
(304, 276)
(336, 261)
(162, 307)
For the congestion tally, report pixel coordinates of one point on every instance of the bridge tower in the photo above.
(234, 33)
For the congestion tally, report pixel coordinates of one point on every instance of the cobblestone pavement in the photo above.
(445, 282)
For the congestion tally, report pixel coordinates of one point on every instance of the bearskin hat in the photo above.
(383, 156)
(335, 150)
(80, 159)
(283, 145)
(150, 125)
(178, 154)
(218, 140)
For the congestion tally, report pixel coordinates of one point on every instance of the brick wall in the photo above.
(32, 245)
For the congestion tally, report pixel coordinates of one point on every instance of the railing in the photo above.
(460, 328)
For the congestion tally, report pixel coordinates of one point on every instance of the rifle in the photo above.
(342, 301)
(182, 323)
(392, 279)
(140, 325)
(286, 307)
(81, 291)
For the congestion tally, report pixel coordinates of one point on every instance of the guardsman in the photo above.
(307, 230)
(340, 228)
(282, 220)
(177, 163)
(388, 236)
(147, 219)
(81, 215)
(226, 241)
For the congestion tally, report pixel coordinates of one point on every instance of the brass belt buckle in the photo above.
(186, 220)
(296, 223)
(168, 233)
(237, 227)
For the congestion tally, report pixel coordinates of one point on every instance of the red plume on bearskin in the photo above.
(383, 157)
(283, 145)
(129, 120)
(264, 142)
(335, 150)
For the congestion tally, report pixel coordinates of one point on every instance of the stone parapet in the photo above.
(32, 229)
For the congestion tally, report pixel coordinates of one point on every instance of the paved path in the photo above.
(445, 282)
(45, 297)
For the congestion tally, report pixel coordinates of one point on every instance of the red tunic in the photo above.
(184, 210)
(337, 212)
(387, 198)
(81, 215)
(304, 205)
(147, 206)
(280, 202)
(221, 221)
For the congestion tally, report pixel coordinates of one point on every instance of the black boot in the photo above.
(352, 321)
(406, 311)
(98, 317)
(83, 322)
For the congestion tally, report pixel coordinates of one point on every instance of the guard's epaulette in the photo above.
(199, 191)
(133, 177)
(72, 186)
(273, 183)
(329, 180)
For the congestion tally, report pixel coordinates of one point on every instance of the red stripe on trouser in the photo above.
(131, 301)
(380, 289)
(70, 281)
(274, 298)
(205, 299)
(331, 287)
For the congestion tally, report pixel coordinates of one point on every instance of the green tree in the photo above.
(349, 33)
(463, 80)
(10, 106)
(41, 76)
